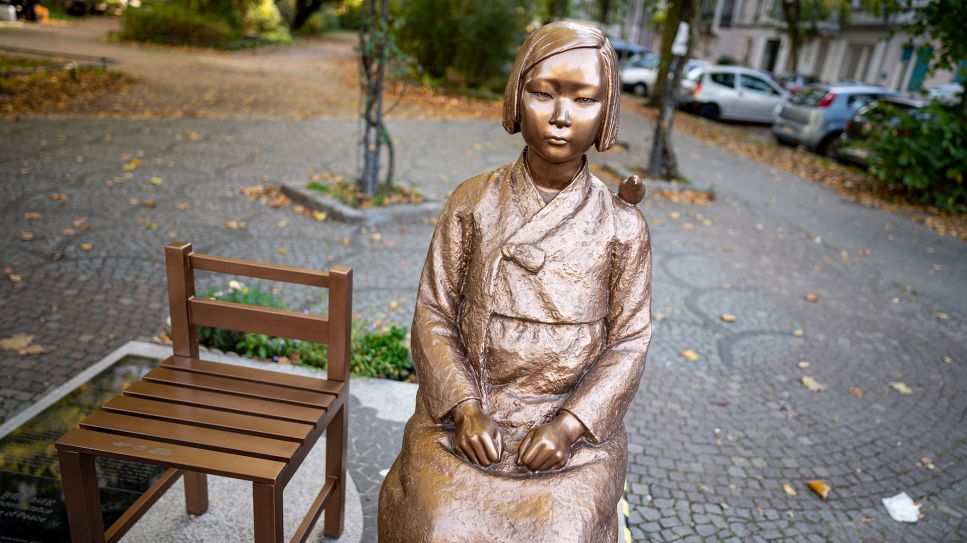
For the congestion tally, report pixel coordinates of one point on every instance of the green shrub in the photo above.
(922, 153)
(374, 352)
(174, 24)
(470, 41)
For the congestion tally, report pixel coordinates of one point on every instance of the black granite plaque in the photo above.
(31, 496)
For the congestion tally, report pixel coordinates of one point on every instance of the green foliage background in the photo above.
(465, 42)
(374, 351)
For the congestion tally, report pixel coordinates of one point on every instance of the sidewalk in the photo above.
(712, 442)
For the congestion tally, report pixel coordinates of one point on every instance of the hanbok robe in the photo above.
(530, 308)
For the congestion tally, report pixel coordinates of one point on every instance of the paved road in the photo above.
(712, 441)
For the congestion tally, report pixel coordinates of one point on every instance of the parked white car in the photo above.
(640, 74)
(731, 92)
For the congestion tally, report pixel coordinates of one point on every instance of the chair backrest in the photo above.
(189, 312)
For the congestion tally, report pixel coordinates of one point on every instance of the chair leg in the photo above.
(336, 443)
(196, 492)
(79, 476)
(267, 499)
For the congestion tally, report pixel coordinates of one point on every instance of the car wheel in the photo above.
(640, 89)
(709, 111)
(827, 146)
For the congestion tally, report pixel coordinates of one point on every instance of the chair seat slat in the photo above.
(209, 418)
(191, 436)
(241, 388)
(312, 384)
(178, 456)
(225, 402)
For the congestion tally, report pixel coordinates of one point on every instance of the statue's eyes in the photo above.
(584, 100)
(542, 95)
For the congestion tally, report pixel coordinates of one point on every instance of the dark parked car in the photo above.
(849, 147)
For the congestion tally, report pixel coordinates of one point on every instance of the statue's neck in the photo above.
(550, 175)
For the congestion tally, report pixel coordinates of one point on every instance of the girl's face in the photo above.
(562, 105)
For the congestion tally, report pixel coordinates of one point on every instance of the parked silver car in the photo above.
(816, 116)
(731, 92)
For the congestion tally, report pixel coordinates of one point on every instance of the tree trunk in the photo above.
(605, 10)
(663, 162)
(672, 17)
(303, 10)
(791, 14)
(372, 58)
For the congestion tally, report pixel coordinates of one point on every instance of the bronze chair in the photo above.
(197, 417)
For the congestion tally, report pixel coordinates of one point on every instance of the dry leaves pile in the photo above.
(53, 92)
(22, 343)
(849, 182)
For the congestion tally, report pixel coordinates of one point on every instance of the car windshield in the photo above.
(809, 96)
(645, 62)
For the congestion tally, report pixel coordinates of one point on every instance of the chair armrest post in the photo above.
(181, 287)
(340, 319)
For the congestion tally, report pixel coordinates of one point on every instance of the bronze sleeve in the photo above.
(604, 393)
(438, 349)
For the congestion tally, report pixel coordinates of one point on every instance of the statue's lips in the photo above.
(553, 140)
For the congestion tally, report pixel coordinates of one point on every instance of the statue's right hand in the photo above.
(477, 437)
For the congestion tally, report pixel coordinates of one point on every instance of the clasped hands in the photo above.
(544, 448)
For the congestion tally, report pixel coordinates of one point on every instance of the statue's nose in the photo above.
(561, 117)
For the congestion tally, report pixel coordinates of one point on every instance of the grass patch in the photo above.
(347, 192)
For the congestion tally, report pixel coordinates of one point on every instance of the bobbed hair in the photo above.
(555, 38)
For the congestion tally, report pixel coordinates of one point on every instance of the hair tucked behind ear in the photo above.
(555, 38)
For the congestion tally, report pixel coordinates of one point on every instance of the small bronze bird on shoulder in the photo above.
(632, 190)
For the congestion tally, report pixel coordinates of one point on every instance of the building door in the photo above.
(769, 55)
(920, 69)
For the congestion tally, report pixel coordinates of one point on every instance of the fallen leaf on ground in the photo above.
(86, 246)
(688, 226)
(942, 316)
(948, 360)
(15, 278)
(901, 387)
(149, 203)
(812, 384)
(797, 332)
(157, 181)
(803, 364)
(15, 342)
(820, 488)
(727, 317)
(133, 201)
(789, 489)
(26, 236)
(319, 215)
(131, 166)
(182, 205)
(32, 216)
(282, 223)
(394, 304)
(812, 298)
(926, 463)
(81, 224)
(234, 225)
(69, 231)
(57, 255)
(31, 350)
(58, 196)
(345, 242)
(690, 355)
(281, 250)
(376, 237)
(857, 392)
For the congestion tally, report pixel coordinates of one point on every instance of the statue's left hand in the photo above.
(548, 446)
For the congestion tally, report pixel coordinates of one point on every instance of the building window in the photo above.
(725, 19)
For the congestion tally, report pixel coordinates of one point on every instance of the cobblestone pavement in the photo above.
(712, 442)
